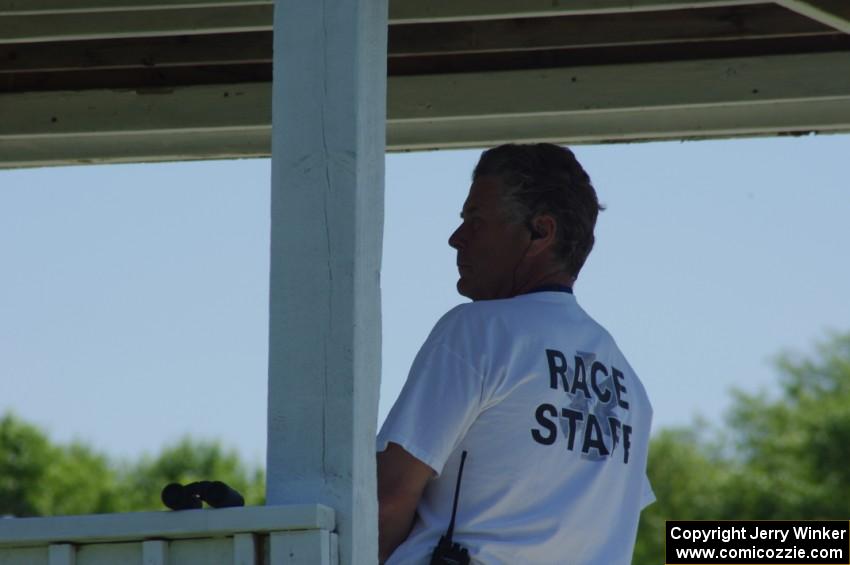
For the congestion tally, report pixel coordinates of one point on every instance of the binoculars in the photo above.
(192, 496)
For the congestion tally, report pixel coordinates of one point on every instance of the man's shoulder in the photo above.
(459, 315)
(482, 310)
(469, 318)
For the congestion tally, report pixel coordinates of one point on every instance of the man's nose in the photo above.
(455, 240)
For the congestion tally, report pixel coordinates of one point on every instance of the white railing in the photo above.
(258, 535)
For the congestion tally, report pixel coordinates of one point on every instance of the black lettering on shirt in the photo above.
(598, 367)
(580, 378)
(627, 432)
(557, 366)
(574, 417)
(619, 388)
(614, 425)
(540, 414)
(585, 421)
(593, 436)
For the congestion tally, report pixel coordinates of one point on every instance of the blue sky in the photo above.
(133, 298)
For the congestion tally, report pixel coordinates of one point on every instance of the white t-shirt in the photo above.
(556, 425)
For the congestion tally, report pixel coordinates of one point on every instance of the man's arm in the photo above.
(401, 480)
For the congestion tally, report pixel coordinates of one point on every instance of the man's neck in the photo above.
(557, 278)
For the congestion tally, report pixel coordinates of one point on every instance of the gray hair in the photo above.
(543, 178)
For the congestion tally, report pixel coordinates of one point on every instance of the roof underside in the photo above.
(86, 81)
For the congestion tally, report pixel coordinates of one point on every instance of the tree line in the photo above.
(42, 478)
(778, 454)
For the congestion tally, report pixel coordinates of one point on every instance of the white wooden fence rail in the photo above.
(262, 535)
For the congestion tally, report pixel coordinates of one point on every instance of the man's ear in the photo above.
(543, 230)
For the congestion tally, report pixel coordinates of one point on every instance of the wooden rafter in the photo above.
(691, 99)
(417, 11)
(400, 11)
(834, 13)
(141, 23)
(35, 7)
(141, 80)
(137, 53)
(591, 31)
(420, 48)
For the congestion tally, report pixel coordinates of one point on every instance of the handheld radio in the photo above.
(447, 552)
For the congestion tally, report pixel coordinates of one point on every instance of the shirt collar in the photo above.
(551, 288)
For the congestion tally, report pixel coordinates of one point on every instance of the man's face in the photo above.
(489, 246)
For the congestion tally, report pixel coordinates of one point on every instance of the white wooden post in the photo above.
(244, 549)
(310, 547)
(328, 143)
(155, 552)
(61, 554)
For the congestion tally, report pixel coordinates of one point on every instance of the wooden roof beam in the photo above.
(30, 21)
(122, 126)
(686, 99)
(400, 11)
(41, 7)
(417, 11)
(144, 23)
(136, 53)
(834, 13)
(417, 40)
(677, 26)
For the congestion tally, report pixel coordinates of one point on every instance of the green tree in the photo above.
(686, 471)
(779, 456)
(40, 478)
(187, 461)
(792, 450)
(25, 455)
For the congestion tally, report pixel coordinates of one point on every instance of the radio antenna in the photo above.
(450, 532)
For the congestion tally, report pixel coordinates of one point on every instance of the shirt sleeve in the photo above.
(438, 403)
(647, 496)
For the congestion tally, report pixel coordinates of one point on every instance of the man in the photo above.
(554, 420)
